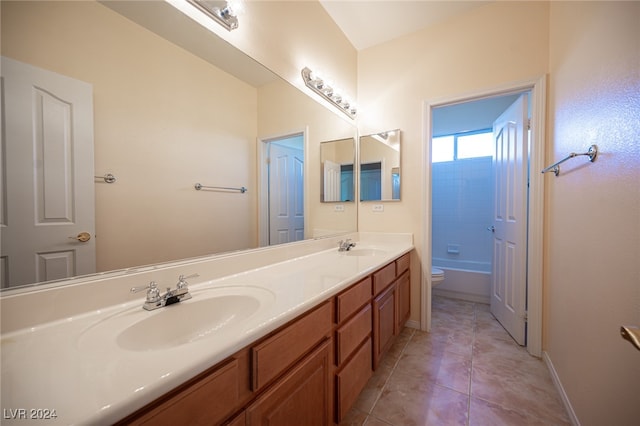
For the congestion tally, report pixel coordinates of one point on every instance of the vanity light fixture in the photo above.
(220, 10)
(319, 86)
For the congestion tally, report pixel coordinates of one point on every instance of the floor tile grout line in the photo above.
(473, 349)
(479, 333)
(395, 364)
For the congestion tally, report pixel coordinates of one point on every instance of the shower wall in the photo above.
(462, 203)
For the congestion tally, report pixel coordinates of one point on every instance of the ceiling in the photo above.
(367, 23)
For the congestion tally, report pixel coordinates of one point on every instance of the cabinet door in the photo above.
(301, 397)
(384, 323)
(403, 300)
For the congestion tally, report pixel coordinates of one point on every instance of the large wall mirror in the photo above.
(380, 166)
(169, 105)
(337, 163)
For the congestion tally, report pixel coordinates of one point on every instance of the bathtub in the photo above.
(465, 280)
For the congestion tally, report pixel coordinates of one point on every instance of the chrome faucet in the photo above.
(346, 245)
(155, 300)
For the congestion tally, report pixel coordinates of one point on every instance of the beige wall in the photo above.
(592, 249)
(155, 105)
(591, 52)
(490, 45)
(321, 125)
(287, 36)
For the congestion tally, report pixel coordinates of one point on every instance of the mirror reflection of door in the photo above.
(371, 181)
(395, 183)
(47, 161)
(380, 166)
(286, 190)
(346, 182)
(337, 158)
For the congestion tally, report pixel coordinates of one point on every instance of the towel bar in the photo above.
(199, 187)
(592, 153)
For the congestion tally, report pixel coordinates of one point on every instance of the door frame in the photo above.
(263, 181)
(535, 207)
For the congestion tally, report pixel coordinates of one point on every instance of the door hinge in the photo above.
(268, 160)
(528, 124)
(525, 316)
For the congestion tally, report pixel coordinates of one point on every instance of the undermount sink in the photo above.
(209, 313)
(365, 252)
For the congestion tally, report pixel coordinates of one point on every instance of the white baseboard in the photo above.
(563, 395)
(413, 324)
(469, 297)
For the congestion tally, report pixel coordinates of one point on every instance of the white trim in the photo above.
(563, 395)
(263, 182)
(412, 324)
(536, 217)
(425, 259)
(538, 89)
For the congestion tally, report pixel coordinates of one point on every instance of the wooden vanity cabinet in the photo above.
(384, 323)
(352, 341)
(301, 397)
(309, 371)
(403, 300)
(391, 305)
(403, 291)
(209, 398)
(276, 353)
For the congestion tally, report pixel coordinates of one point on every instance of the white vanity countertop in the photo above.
(75, 368)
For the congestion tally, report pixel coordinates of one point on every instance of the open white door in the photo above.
(286, 194)
(508, 286)
(47, 144)
(332, 178)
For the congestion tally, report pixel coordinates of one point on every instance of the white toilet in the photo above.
(437, 276)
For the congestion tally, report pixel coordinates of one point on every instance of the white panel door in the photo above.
(508, 286)
(332, 179)
(48, 183)
(286, 194)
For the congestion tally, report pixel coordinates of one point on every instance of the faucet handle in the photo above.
(182, 280)
(153, 294)
(142, 287)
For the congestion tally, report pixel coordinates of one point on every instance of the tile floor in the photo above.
(467, 371)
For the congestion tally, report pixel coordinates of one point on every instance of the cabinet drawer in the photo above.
(350, 335)
(352, 379)
(301, 397)
(208, 401)
(278, 352)
(402, 264)
(352, 299)
(384, 277)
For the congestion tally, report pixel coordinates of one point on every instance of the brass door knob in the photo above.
(83, 237)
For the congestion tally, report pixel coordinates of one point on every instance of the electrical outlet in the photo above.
(377, 208)
(338, 208)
